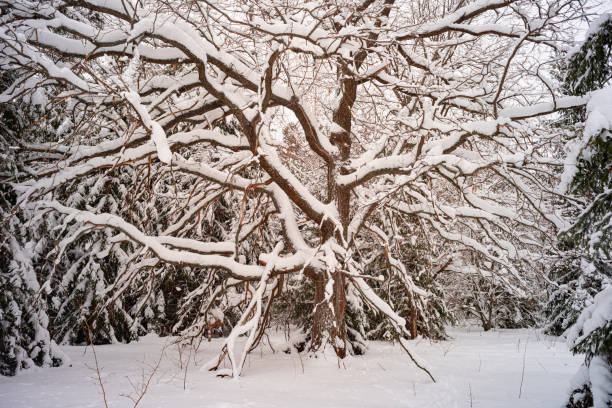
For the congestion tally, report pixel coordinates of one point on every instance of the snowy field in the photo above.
(475, 369)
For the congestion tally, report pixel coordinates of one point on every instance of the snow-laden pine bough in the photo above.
(261, 142)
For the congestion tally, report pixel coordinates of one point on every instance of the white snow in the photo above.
(476, 369)
(593, 317)
(601, 381)
(599, 117)
(599, 110)
(157, 132)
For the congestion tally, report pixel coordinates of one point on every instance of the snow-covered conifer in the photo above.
(588, 177)
(25, 340)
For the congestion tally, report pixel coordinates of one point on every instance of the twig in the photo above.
(144, 385)
(96, 361)
(187, 366)
(471, 402)
(544, 368)
(523, 374)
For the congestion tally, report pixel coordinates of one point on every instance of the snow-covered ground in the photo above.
(475, 369)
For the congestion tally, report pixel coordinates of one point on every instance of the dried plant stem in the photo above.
(97, 365)
(523, 373)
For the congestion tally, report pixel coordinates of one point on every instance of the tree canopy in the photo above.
(343, 151)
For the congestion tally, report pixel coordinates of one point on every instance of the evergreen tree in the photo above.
(578, 281)
(25, 340)
(588, 176)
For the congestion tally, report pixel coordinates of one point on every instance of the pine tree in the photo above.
(589, 179)
(25, 339)
(578, 280)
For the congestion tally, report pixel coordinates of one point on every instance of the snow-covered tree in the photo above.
(25, 340)
(497, 304)
(425, 111)
(578, 279)
(588, 176)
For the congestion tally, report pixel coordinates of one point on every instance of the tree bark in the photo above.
(329, 324)
(413, 319)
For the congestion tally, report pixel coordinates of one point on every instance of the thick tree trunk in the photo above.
(329, 324)
(339, 306)
(487, 322)
(330, 320)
